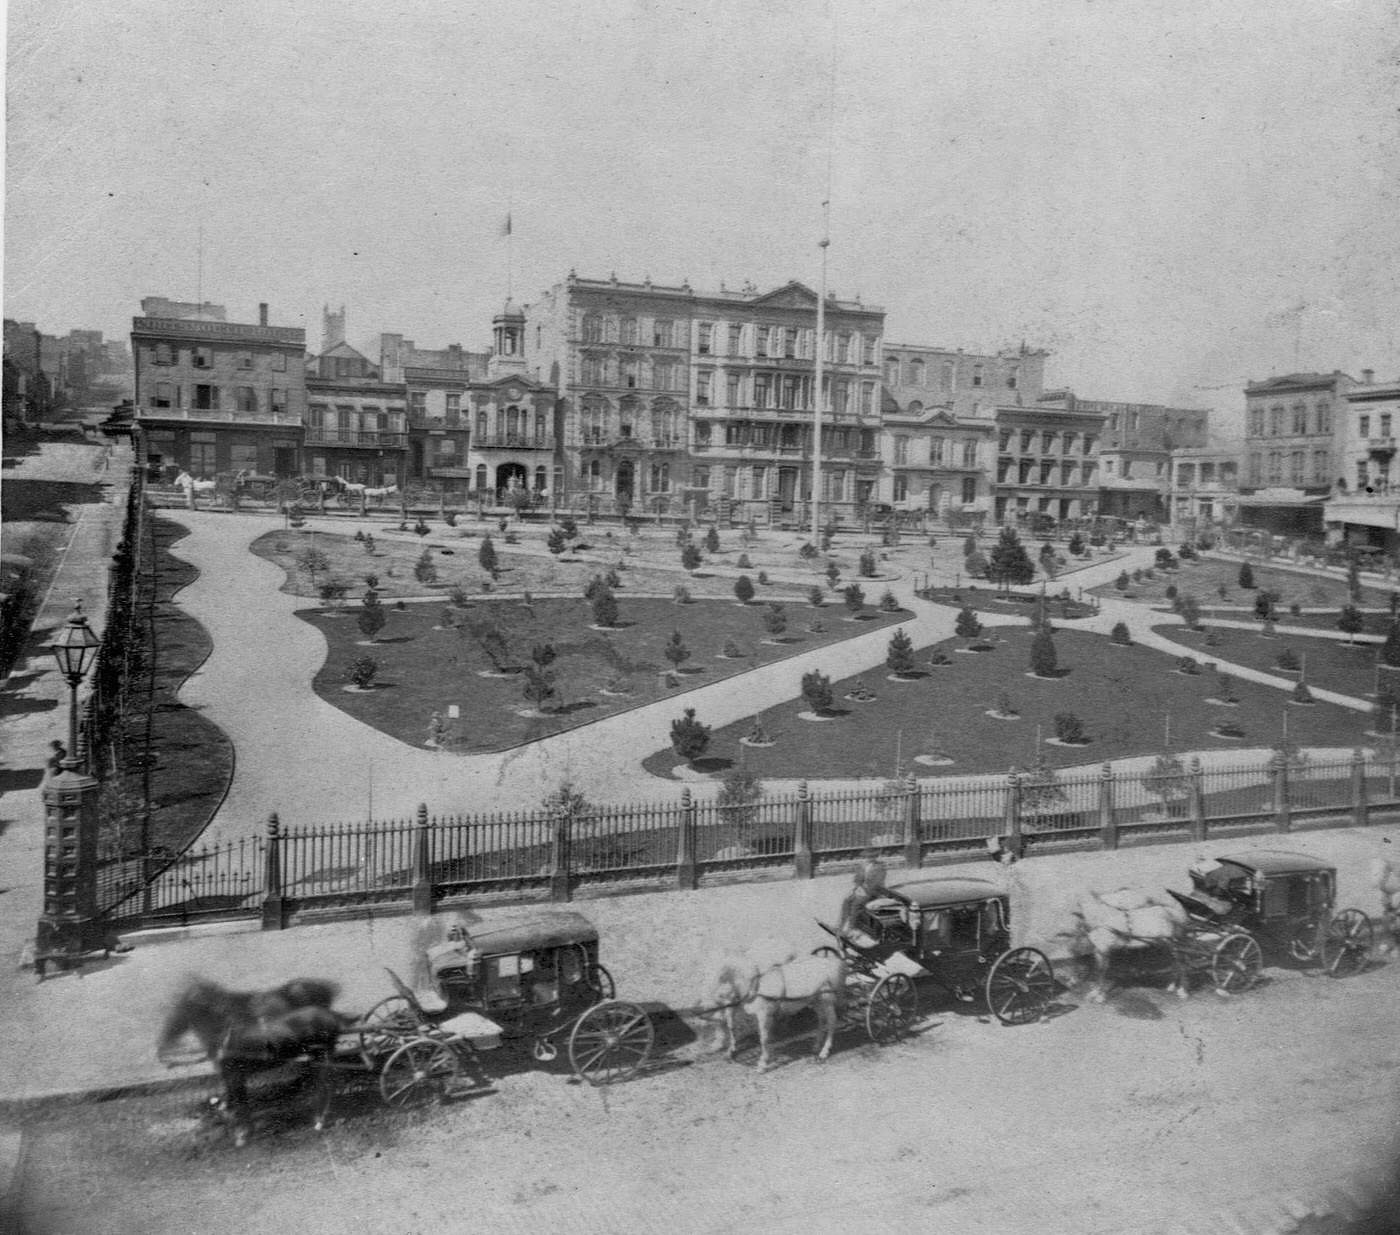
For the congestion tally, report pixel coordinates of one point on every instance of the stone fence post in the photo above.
(685, 843)
(559, 857)
(913, 841)
(273, 915)
(1108, 818)
(1196, 799)
(802, 834)
(422, 862)
(1278, 766)
(1360, 811)
(1013, 814)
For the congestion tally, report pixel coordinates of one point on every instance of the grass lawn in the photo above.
(1349, 669)
(1203, 579)
(984, 598)
(1373, 623)
(425, 670)
(1121, 694)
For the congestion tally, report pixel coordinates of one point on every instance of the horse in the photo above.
(1385, 878)
(768, 989)
(1145, 925)
(247, 1032)
(190, 485)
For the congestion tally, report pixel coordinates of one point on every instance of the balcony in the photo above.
(373, 440)
(513, 441)
(215, 415)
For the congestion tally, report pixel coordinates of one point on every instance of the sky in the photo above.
(1171, 197)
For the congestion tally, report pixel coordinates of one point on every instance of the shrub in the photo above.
(689, 738)
(1245, 578)
(743, 563)
(612, 578)
(976, 565)
(808, 551)
(1263, 605)
(1301, 693)
(739, 794)
(1121, 583)
(682, 537)
(1225, 688)
(681, 594)
(833, 573)
(1186, 553)
(816, 626)
(1120, 634)
(1190, 610)
(1044, 658)
(939, 657)
(854, 597)
(969, 546)
(816, 690)
(1069, 728)
(486, 556)
(420, 528)
(371, 580)
(554, 542)
(312, 561)
(1165, 559)
(1170, 591)
(815, 597)
(775, 619)
(690, 558)
(758, 734)
(732, 650)
(594, 586)
(423, 569)
(1004, 706)
(450, 518)
(675, 650)
(1295, 609)
(1267, 630)
(332, 591)
(361, 671)
(538, 686)
(1350, 622)
(371, 617)
(1137, 576)
(743, 589)
(369, 544)
(967, 626)
(1010, 563)
(867, 564)
(458, 596)
(604, 608)
(763, 578)
(1188, 665)
(1076, 545)
(888, 602)
(712, 540)
(899, 658)
(1288, 660)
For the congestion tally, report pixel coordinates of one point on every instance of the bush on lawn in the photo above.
(1121, 583)
(1288, 660)
(743, 589)
(816, 690)
(1120, 634)
(712, 540)
(1350, 622)
(690, 558)
(361, 671)
(424, 569)
(680, 594)
(967, 625)
(1188, 665)
(815, 597)
(743, 563)
(899, 657)
(1044, 658)
(371, 617)
(1069, 728)
(604, 608)
(867, 564)
(854, 597)
(775, 619)
(675, 650)
(486, 556)
(1245, 579)
(732, 650)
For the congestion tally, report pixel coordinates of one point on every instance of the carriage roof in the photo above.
(941, 893)
(548, 930)
(1277, 862)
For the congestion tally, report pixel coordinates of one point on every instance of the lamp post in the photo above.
(67, 928)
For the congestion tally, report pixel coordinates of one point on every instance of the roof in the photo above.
(1277, 862)
(546, 930)
(935, 893)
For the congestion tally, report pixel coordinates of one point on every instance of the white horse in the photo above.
(1385, 877)
(768, 989)
(189, 484)
(1129, 920)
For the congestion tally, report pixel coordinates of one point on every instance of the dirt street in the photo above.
(1143, 1114)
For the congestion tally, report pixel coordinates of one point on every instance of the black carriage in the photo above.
(955, 931)
(536, 983)
(1285, 903)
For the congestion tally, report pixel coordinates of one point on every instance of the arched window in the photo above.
(541, 479)
(595, 474)
(481, 478)
(594, 419)
(541, 428)
(629, 330)
(512, 421)
(916, 408)
(482, 432)
(592, 327)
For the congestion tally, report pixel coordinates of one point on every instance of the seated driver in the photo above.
(868, 883)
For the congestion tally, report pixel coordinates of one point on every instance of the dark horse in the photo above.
(244, 1033)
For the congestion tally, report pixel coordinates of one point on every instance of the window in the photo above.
(202, 358)
(901, 488)
(279, 362)
(901, 451)
(1275, 421)
(736, 338)
(702, 389)
(1255, 469)
(1012, 376)
(916, 372)
(1300, 418)
(969, 490)
(1320, 468)
(482, 427)
(541, 428)
(164, 395)
(867, 350)
(662, 332)
(245, 360)
(700, 477)
(206, 398)
(1363, 426)
(790, 342)
(791, 385)
(1385, 424)
(163, 354)
(836, 481)
(843, 348)
(667, 375)
(595, 474)
(867, 398)
(660, 478)
(969, 452)
(1090, 443)
(1256, 422)
(592, 370)
(843, 398)
(707, 331)
(977, 375)
(279, 400)
(762, 390)
(629, 330)
(1295, 467)
(316, 419)
(454, 406)
(732, 389)
(935, 451)
(892, 371)
(592, 328)
(1275, 467)
(1323, 421)
(418, 403)
(945, 379)
(629, 372)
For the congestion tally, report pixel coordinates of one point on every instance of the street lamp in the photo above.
(74, 651)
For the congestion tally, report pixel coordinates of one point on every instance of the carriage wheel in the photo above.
(601, 983)
(419, 1071)
(1346, 943)
(893, 1006)
(610, 1042)
(1020, 986)
(384, 1027)
(1235, 963)
(828, 952)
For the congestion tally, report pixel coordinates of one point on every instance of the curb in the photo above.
(29, 1104)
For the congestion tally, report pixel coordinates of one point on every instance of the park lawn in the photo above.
(1122, 695)
(985, 598)
(426, 669)
(1348, 669)
(1204, 578)
(1374, 622)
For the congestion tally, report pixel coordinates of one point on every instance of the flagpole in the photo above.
(817, 394)
(510, 248)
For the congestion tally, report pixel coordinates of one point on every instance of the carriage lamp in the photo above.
(74, 651)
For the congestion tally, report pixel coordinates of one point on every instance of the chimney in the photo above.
(1368, 376)
(262, 313)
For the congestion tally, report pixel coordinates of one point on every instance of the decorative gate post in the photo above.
(802, 836)
(1013, 814)
(913, 841)
(685, 843)
(1360, 811)
(422, 862)
(559, 857)
(1108, 820)
(1196, 797)
(273, 914)
(1278, 766)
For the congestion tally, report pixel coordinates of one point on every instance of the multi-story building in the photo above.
(219, 397)
(935, 461)
(28, 389)
(1047, 462)
(1365, 506)
(969, 385)
(1204, 485)
(670, 394)
(356, 424)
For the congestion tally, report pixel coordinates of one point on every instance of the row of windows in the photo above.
(969, 489)
(1051, 441)
(203, 357)
(940, 451)
(730, 338)
(1278, 420)
(217, 398)
(632, 372)
(913, 372)
(1363, 425)
(1272, 468)
(1031, 472)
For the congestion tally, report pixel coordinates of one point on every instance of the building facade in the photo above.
(218, 397)
(356, 424)
(969, 385)
(1204, 486)
(1047, 463)
(1364, 508)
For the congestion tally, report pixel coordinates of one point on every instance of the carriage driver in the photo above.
(868, 883)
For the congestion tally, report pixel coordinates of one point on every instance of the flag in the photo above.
(505, 227)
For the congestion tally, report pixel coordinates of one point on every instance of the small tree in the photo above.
(1004, 706)
(1041, 792)
(739, 795)
(1245, 579)
(899, 658)
(868, 564)
(1076, 545)
(371, 617)
(815, 597)
(690, 558)
(808, 551)
(680, 594)
(1168, 780)
(361, 672)
(976, 565)
(1288, 660)
(424, 570)
(816, 690)
(675, 651)
(491, 639)
(543, 655)
(775, 619)
(743, 589)
(1350, 622)
(889, 602)
(712, 540)
(486, 557)
(1010, 563)
(1263, 605)
(1301, 693)
(1225, 688)
(689, 738)
(969, 545)
(854, 597)
(332, 591)
(1353, 579)
(1165, 559)
(312, 561)
(1121, 583)
(743, 562)
(833, 573)
(967, 625)
(569, 528)
(1190, 609)
(1043, 655)
(1120, 634)
(555, 541)
(732, 651)
(539, 686)
(604, 608)
(1069, 728)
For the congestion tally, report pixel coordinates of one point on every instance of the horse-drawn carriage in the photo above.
(955, 930)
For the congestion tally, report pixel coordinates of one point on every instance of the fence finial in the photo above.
(274, 825)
